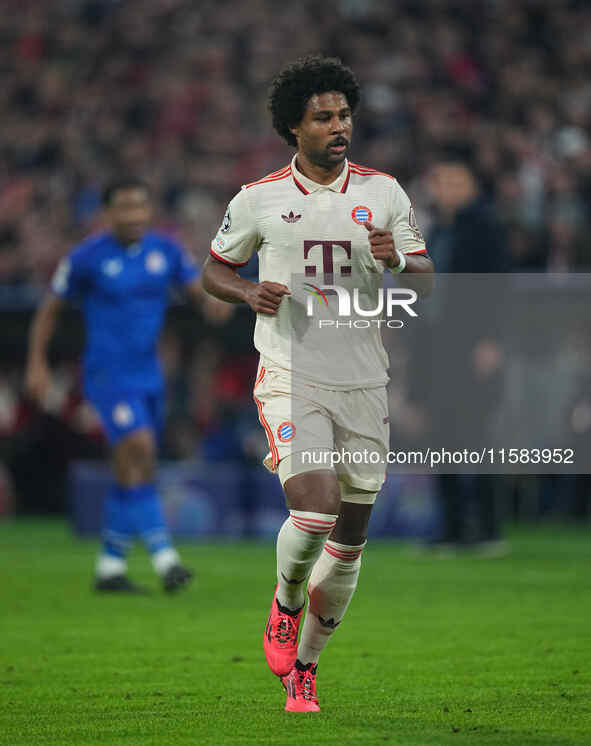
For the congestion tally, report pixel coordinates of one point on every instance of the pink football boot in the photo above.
(300, 685)
(281, 638)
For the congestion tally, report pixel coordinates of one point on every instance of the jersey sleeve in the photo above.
(407, 236)
(238, 236)
(184, 268)
(69, 278)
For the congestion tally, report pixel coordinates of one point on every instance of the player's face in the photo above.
(324, 134)
(130, 213)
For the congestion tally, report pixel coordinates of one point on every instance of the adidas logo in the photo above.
(292, 581)
(291, 218)
(330, 623)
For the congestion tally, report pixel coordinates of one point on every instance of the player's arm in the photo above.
(37, 374)
(225, 283)
(234, 244)
(68, 284)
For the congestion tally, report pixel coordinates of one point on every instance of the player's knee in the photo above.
(354, 515)
(135, 458)
(144, 454)
(317, 491)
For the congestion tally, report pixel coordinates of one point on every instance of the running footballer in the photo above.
(320, 221)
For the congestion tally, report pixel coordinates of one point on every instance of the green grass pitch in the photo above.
(458, 651)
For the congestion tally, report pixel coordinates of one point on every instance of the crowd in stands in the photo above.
(175, 92)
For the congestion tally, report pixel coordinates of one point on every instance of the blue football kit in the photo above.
(123, 292)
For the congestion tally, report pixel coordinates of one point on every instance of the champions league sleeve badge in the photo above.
(412, 222)
(226, 222)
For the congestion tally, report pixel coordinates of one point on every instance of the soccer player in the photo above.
(122, 278)
(323, 220)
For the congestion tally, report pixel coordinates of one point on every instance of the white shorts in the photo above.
(305, 424)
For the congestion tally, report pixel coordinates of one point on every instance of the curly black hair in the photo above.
(122, 184)
(297, 83)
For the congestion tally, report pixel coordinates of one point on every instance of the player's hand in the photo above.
(37, 381)
(265, 297)
(381, 245)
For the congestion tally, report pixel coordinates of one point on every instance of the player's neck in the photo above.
(319, 174)
(125, 241)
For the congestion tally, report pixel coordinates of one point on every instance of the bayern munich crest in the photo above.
(360, 214)
(286, 431)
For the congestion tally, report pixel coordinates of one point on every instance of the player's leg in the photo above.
(133, 502)
(165, 558)
(361, 424)
(119, 417)
(334, 577)
(134, 461)
(313, 500)
(132, 505)
(118, 534)
(330, 589)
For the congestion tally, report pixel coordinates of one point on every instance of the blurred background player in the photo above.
(331, 203)
(122, 279)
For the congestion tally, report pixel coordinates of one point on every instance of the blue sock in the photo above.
(148, 517)
(118, 527)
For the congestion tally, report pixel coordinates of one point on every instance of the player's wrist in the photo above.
(400, 265)
(248, 291)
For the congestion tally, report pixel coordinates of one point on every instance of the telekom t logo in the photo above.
(327, 258)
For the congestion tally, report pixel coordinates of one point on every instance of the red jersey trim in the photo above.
(299, 186)
(418, 251)
(268, 432)
(275, 176)
(347, 177)
(226, 261)
(260, 376)
(342, 190)
(365, 171)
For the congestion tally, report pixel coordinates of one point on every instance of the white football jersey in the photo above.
(310, 237)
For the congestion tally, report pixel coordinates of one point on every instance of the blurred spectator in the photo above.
(466, 237)
(12, 267)
(94, 87)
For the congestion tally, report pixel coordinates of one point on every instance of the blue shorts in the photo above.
(123, 413)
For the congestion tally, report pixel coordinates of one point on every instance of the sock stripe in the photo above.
(314, 529)
(313, 524)
(313, 521)
(347, 556)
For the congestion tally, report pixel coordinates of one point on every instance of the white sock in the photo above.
(331, 587)
(107, 566)
(299, 544)
(164, 559)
